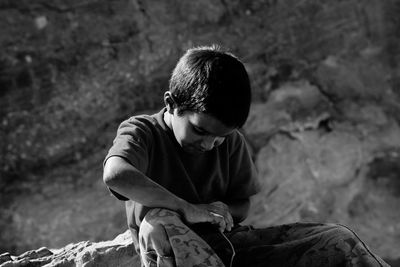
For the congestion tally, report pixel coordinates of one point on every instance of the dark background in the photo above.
(324, 126)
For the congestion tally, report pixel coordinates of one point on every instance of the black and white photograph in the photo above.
(196, 133)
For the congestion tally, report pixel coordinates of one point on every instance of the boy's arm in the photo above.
(233, 212)
(125, 179)
(239, 209)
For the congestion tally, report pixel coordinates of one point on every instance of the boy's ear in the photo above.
(169, 102)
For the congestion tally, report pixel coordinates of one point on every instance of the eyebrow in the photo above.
(200, 129)
(207, 132)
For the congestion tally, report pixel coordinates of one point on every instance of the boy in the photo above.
(187, 177)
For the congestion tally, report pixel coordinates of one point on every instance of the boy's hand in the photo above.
(221, 209)
(204, 213)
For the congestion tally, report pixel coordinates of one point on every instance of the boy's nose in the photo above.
(209, 143)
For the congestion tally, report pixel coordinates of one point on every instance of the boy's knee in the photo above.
(344, 232)
(161, 216)
(155, 220)
(346, 235)
(152, 232)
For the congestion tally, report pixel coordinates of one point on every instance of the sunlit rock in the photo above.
(118, 252)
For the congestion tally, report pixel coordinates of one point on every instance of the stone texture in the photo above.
(118, 252)
(296, 106)
(58, 208)
(342, 170)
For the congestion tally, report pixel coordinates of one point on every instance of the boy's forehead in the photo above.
(209, 124)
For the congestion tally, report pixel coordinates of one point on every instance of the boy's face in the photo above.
(197, 132)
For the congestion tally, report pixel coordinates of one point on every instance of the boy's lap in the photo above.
(297, 244)
(188, 248)
(275, 243)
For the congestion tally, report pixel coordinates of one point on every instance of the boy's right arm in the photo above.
(125, 179)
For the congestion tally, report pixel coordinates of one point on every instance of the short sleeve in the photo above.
(244, 181)
(132, 143)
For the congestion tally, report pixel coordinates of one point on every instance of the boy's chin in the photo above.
(193, 150)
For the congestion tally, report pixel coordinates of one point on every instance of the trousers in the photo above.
(165, 241)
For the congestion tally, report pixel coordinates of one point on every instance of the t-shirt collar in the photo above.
(160, 119)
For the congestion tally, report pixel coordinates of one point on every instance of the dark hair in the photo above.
(210, 80)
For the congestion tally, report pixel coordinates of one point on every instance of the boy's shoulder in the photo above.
(143, 120)
(236, 141)
(144, 127)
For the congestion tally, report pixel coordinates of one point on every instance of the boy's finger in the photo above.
(224, 209)
(216, 215)
(229, 220)
(229, 226)
(222, 226)
(220, 220)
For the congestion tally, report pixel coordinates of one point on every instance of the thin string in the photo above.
(232, 248)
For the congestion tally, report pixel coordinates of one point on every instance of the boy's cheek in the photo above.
(188, 137)
(219, 142)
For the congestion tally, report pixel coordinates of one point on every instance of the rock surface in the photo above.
(324, 126)
(118, 252)
(342, 170)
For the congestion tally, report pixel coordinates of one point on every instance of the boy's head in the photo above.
(210, 81)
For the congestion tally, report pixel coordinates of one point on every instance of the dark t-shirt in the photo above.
(223, 174)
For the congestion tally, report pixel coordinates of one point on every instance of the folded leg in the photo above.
(302, 244)
(166, 241)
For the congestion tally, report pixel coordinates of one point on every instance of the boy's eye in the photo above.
(199, 131)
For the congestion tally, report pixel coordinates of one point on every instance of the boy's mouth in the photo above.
(193, 149)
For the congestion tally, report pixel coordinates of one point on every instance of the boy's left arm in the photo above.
(243, 183)
(233, 212)
(239, 209)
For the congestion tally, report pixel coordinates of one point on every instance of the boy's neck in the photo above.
(167, 119)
